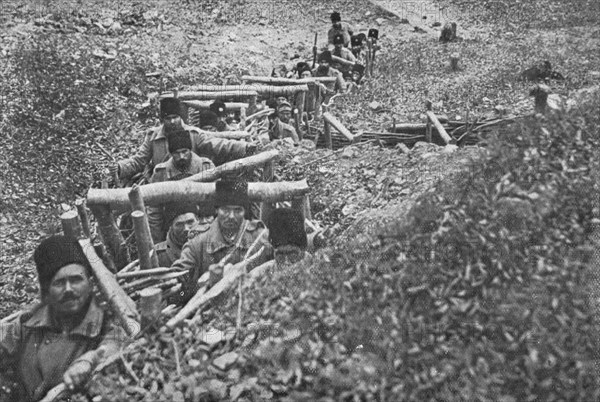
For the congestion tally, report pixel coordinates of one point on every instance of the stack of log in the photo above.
(134, 280)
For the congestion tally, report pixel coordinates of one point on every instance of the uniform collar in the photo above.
(89, 327)
(218, 242)
(160, 130)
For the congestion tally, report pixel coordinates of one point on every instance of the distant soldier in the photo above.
(343, 53)
(359, 43)
(181, 220)
(218, 108)
(303, 70)
(325, 70)
(339, 27)
(278, 129)
(183, 163)
(155, 147)
(287, 235)
(230, 234)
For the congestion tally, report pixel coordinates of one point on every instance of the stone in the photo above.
(225, 361)
(450, 148)
(402, 148)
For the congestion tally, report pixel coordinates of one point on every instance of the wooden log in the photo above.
(187, 191)
(287, 81)
(243, 118)
(259, 114)
(235, 166)
(300, 100)
(70, 224)
(143, 239)
(335, 123)
(327, 134)
(145, 282)
(83, 217)
(150, 306)
(147, 272)
(106, 258)
(111, 235)
(441, 130)
(204, 105)
(137, 204)
(336, 59)
(210, 95)
(201, 299)
(121, 304)
(230, 135)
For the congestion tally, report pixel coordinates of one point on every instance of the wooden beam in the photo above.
(327, 135)
(441, 130)
(83, 217)
(121, 304)
(204, 95)
(234, 166)
(204, 105)
(70, 224)
(286, 81)
(187, 191)
(143, 239)
(336, 59)
(331, 119)
(111, 235)
(230, 135)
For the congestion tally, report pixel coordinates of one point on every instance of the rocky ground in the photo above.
(74, 96)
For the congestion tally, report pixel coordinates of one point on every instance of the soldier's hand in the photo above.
(78, 374)
(216, 273)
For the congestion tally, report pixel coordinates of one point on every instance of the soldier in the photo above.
(343, 53)
(183, 163)
(358, 45)
(218, 108)
(325, 70)
(63, 338)
(154, 148)
(230, 234)
(279, 129)
(339, 27)
(181, 220)
(303, 70)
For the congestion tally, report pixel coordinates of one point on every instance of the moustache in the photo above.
(69, 297)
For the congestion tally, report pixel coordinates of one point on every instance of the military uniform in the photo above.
(169, 251)
(168, 171)
(155, 150)
(343, 54)
(281, 130)
(346, 31)
(339, 85)
(210, 247)
(41, 353)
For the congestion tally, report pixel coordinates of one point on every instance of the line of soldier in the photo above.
(64, 337)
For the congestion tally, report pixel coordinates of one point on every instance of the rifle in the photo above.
(315, 50)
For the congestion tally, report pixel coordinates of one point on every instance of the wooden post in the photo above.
(106, 258)
(302, 204)
(300, 100)
(150, 305)
(268, 171)
(83, 217)
(318, 101)
(143, 239)
(440, 129)
(243, 117)
(306, 124)
(335, 123)
(428, 128)
(111, 235)
(121, 304)
(327, 135)
(137, 204)
(70, 224)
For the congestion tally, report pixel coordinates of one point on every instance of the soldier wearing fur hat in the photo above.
(181, 220)
(230, 234)
(279, 127)
(325, 70)
(63, 338)
(339, 27)
(343, 53)
(287, 235)
(154, 148)
(183, 163)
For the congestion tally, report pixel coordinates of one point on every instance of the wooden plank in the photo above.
(441, 130)
(287, 81)
(331, 119)
(204, 105)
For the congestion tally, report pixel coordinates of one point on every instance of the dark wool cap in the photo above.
(218, 108)
(356, 41)
(325, 56)
(359, 68)
(374, 33)
(335, 17)
(54, 253)
(179, 140)
(286, 227)
(207, 118)
(338, 39)
(231, 193)
(173, 211)
(169, 106)
(302, 66)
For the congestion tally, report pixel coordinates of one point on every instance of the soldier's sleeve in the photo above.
(113, 338)
(294, 135)
(130, 166)
(220, 150)
(10, 341)
(351, 56)
(340, 84)
(191, 263)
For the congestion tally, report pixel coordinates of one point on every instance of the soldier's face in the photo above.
(172, 122)
(70, 290)
(230, 217)
(287, 255)
(285, 115)
(182, 158)
(306, 74)
(182, 225)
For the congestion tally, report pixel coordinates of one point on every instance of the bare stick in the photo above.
(70, 224)
(143, 239)
(147, 272)
(331, 119)
(441, 130)
(83, 216)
